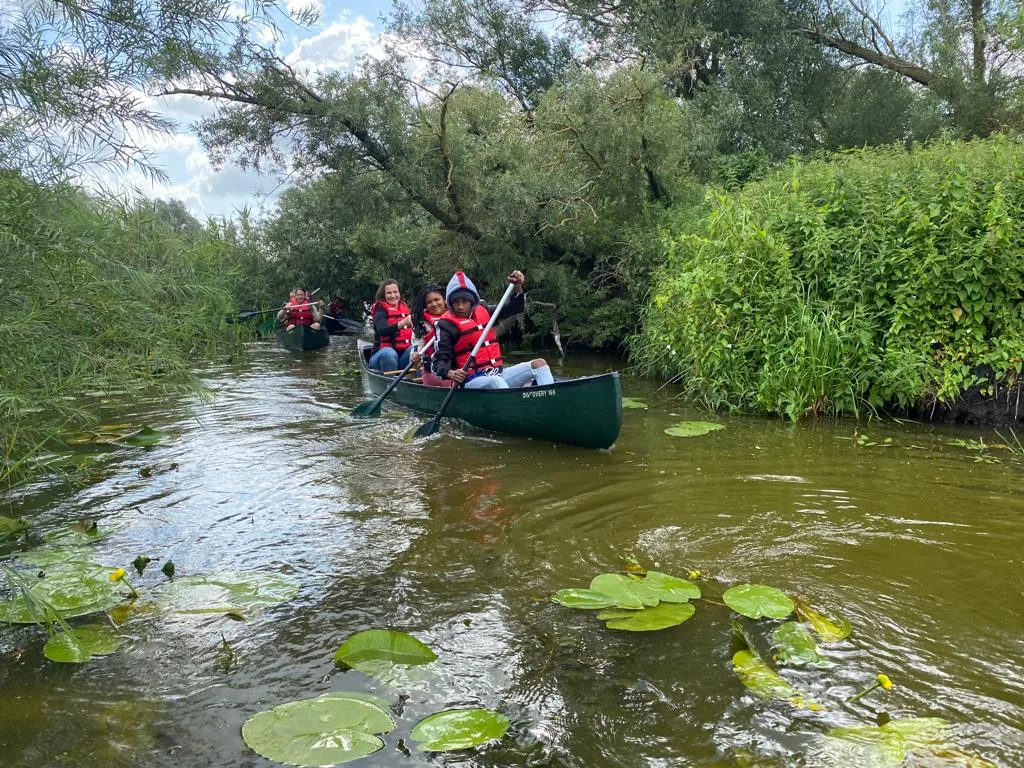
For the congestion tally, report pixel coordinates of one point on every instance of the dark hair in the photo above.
(419, 306)
(379, 296)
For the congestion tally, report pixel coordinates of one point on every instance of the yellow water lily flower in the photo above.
(694, 574)
(117, 575)
(884, 681)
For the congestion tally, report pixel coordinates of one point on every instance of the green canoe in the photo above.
(586, 411)
(302, 338)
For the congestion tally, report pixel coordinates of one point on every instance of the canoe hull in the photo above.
(302, 338)
(586, 411)
(340, 325)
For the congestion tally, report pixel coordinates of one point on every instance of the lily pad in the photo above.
(69, 589)
(829, 630)
(145, 437)
(459, 729)
(243, 593)
(330, 729)
(757, 600)
(382, 645)
(693, 428)
(765, 682)
(914, 741)
(620, 588)
(661, 616)
(82, 533)
(796, 646)
(666, 588)
(583, 598)
(11, 526)
(634, 402)
(82, 643)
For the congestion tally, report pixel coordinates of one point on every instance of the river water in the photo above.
(460, 541)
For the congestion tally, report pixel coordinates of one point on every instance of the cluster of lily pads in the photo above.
(642, 601)
(341, 726)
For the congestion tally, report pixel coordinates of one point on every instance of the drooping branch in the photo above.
(901, 66)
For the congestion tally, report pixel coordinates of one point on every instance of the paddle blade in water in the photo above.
(426, 430)
(366, 409)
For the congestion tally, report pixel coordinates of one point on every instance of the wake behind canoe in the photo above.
(586, 411)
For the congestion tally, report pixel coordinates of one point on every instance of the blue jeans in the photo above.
(513, 376)
(386, 359)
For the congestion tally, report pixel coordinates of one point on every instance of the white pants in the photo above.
(513, 376)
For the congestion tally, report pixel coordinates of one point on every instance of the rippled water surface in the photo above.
(460, 540)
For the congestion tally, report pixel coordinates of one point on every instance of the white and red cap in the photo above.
(461, 287)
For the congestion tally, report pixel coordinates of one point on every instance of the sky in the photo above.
(347, 30)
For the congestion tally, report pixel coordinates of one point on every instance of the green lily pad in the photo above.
(666, 588)
(11, 526)
(916, 741)
(633, 402)
(829, 630)
(459, 729)
(661, 616)
(80, 534)
(82, 643)
(243, 593)
(617, 613)
(756, 601)
(693, 428)
(145, 437)
(68, 589)
(765, 682)
(382, 645)
(796, 646)
(583, 598)
(620, 588)
(330, 729)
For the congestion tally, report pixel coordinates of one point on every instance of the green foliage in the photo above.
(98, 298)
(456, 729)
(875, 278)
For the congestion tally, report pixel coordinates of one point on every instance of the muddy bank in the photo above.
(989, 404)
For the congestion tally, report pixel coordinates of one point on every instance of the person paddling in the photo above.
(392, 329)
(298, 311)
(427, 308)
(460, 327)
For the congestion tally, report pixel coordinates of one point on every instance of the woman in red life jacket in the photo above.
(427, 308)
(459, 329)
(392, 329)
(298, 311)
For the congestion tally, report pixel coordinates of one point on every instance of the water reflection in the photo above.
(461, 540)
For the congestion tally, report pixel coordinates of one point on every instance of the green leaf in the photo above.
(765, 682)
(757, 600)
(829, 630)
(145, 437)
(620, 588)
(660, 616)
(617, 613)
(330, 729)
(633, 402)
(917, 741)
(382, 645)
(245, 593)
(459, 729)
(796, 646)
(693, 428)
(11, 526)
(583, 598)
(78, 534)
(666, 588)
(82, 643)
(68, 589)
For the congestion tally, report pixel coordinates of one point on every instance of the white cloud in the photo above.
(338, 47)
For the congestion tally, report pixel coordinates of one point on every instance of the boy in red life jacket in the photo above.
(298, 311)
(459, 329)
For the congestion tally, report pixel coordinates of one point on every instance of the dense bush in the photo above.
(880, 277)
(97, 297)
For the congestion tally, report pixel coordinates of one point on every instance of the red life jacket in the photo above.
(470, 328)
(429, 320)
(402, 340)
(300, 315)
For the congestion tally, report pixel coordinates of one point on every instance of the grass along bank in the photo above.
(97, 297)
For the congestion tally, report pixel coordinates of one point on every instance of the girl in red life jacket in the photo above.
(459, 329)
(427, 308)
(392, 329)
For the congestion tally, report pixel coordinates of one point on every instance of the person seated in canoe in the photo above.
(392, 329)
(336, 308)
(427, 308)
(461, 325)
(298, 311)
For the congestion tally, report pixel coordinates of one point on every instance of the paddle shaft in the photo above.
(371, 409)
(432, 426)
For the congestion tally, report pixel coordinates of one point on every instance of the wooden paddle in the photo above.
(370, 408)
(435, 423)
